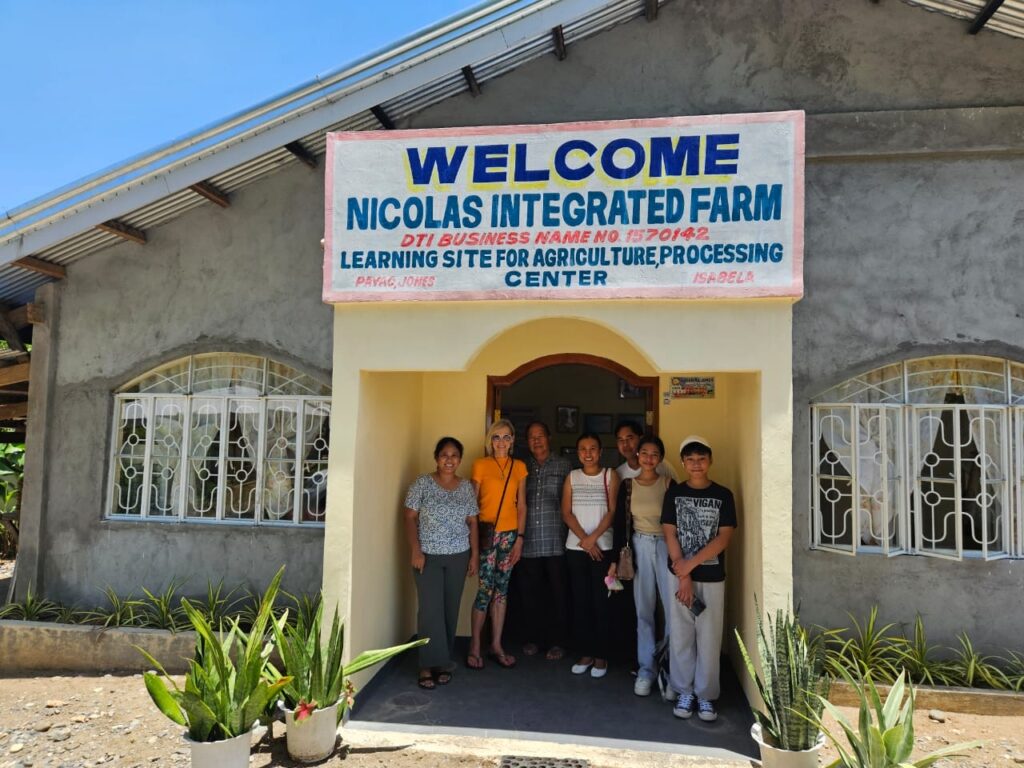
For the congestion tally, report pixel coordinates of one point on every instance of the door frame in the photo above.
(496, 385)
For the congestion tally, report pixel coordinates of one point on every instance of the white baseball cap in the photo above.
(694, 439)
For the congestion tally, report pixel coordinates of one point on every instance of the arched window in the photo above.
(922, 457)
(221, 438)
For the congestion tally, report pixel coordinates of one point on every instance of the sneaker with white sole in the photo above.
(706, 710)
(642, 686)
(685, 706)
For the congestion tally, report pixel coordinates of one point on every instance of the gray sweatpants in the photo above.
(695, 643)
(438, 596)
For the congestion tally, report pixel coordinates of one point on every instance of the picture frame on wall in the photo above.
(567, 418)
(598, 423)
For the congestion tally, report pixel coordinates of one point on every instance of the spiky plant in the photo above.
(163, 610)
(884, 736)
(226, 689)
(871, 650)
(794, 682)
(317, 677)
(976, 670)
(920, 661)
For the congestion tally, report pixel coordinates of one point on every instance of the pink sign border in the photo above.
(794, 290)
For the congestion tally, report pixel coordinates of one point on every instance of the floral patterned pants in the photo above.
(495, 571)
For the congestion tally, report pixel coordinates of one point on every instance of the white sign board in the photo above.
(679, 207)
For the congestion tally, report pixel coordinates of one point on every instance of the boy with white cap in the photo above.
(698, 519)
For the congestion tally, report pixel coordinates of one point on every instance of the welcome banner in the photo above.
(680, 207)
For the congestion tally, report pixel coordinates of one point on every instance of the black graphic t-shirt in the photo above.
(697, 514)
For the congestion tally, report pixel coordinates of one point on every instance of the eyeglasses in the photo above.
(501, 438)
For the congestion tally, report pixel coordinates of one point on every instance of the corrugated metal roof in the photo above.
(1008, 18)
(493, 38)
(415, 73)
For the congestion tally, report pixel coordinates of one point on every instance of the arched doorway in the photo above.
(572, 393)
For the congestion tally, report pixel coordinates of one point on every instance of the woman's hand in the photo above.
(474, 565)
(517, 551)
(418, 561)
(613, 570)
(587, 542)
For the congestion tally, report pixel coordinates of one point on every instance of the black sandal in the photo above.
(443, 677)
(426, 682)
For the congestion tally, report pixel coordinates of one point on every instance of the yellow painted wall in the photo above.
(384, 425)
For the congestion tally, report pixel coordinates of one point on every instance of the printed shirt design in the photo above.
(697, 520)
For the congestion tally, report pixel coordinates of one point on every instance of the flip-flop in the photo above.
(502, 659)
(443, 677)
(474, 662)
(426, 682)
(555, 653)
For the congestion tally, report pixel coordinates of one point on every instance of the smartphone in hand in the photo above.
(698, 607)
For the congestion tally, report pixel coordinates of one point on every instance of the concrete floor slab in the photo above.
(541, 700)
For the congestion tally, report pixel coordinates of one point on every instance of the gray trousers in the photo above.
(438, 596)
(695, 643)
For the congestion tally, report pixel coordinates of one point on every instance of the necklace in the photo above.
(502, 469)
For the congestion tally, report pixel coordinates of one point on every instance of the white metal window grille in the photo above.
(1018, 475)
(859, 481)
(221, 438)
(961, 495)
(923, 457)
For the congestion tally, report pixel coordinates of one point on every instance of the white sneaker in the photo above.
(642, 687)
(579, 669)
(598, 672)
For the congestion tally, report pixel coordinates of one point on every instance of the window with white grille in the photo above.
(221, 438)
(922, 457)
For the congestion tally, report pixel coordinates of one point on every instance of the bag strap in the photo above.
(629, 510)
(497, 516)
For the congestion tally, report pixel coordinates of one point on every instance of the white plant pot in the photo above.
(314, 738)
(229, 753)
(773, 757)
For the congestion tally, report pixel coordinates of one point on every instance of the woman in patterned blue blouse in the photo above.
(440, 525)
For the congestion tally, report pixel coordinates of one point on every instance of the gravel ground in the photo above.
(79, 722)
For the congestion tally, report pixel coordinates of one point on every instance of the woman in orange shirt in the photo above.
(500, 483)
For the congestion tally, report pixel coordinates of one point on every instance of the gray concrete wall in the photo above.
(42, 646)
(905, 259)
(913, 217)
(713, 57)
(242, 279)
(913, 222)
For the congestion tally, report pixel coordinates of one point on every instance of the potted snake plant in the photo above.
(792, 688)
(226, 687)
(318, 693)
